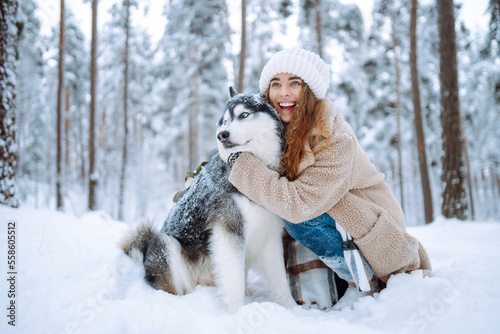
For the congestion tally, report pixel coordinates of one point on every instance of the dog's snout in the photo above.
(223, 136)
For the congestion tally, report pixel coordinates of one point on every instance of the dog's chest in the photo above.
(260, 224)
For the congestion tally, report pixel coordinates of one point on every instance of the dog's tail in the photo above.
(136, 243)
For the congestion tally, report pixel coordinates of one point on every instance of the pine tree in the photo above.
(327, 23)
(492, 44)
(428, 65)
(194, 45)
(377, 119)
(140, 102)
(121, 200)
(454, 197)
(480, 111)
(397, 86)
(315, 15)
(385, 110)
(243, 48)
(8, 149)
(74, 104)
(111, 123)
(263, 20)
(76, 65)
(60, 88)
(323, 22)
(419, 130)
(351, 90)
(31, 108)
(93, 179)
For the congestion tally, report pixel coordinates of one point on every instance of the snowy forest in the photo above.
(112, 120)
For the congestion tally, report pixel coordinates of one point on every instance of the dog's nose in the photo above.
(223, 136)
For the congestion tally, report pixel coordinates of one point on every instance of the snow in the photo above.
(72, 278)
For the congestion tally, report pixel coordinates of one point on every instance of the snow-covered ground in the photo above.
(72, 278)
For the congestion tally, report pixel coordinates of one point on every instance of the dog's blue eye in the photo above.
(244, 115)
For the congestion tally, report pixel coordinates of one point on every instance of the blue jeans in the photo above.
(322, 238)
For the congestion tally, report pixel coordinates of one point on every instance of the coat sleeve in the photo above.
(317, 189)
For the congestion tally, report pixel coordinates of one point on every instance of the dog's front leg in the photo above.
(271, 265)
(228, 258)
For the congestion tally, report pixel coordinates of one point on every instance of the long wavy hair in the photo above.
(309, 114)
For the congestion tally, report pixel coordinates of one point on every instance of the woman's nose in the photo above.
(284, 91)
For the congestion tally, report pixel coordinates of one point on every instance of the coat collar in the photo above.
(330, 115)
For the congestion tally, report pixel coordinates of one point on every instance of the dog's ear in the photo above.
(232, 92)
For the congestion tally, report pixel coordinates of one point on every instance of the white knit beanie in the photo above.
(305, 64)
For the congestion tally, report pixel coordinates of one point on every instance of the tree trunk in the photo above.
(60, 92)
(454, 197)
(102, 141)
(419, 129)
(83, 161)
(243, 51)
(492, 184)
(317, 27)
(93, 97)
(398, 108)
(467, 167)
(8, 151)
(121, 199)
(66, 127)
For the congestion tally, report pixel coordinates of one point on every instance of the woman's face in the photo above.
(284, 93)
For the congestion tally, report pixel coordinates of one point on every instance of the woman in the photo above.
(327, 184)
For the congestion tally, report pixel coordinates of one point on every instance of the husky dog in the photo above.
(214, 234)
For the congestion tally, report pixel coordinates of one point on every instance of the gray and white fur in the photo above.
(214, 234)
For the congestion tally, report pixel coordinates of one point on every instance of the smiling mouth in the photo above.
(286, 106)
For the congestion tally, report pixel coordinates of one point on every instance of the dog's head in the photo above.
(250, 124)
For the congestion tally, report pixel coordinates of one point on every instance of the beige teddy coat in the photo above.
(345, 184)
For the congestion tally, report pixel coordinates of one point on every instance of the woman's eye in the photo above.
(244, 115)
(275, 84)
(295, 83)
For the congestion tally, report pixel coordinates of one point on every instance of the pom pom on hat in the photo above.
(305, 64)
